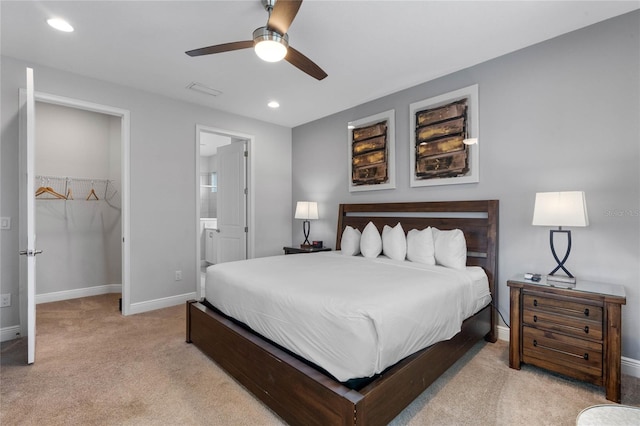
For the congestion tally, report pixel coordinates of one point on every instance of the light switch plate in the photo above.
(5, 300)
(5, 223)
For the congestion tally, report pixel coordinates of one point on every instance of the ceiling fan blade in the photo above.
(305, 64)
(219, 48)
(282, 15)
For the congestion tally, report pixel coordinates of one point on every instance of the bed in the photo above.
(301, 393)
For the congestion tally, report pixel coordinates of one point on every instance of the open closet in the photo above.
(78, 203)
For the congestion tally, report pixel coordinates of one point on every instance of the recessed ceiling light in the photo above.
(273, 104)
(60, 25)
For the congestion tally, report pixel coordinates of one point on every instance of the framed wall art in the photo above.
(441, 129)
(372, 152)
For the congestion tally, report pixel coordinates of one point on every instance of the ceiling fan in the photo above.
(271, 42)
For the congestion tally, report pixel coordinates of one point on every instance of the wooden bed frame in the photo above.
(299, 393)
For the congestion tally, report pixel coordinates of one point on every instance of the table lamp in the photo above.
(560, 209)
(306, 210)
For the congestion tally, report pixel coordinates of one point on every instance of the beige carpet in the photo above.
(94, 366)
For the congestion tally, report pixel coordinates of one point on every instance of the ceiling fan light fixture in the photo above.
(269, 45)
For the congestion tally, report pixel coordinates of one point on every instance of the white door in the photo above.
(232, 202)
(27, 221)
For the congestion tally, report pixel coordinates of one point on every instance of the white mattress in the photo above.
(350, 315)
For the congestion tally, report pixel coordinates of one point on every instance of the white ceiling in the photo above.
(368, 48)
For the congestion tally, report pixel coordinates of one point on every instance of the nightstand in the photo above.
(296, 250)
(572, 331)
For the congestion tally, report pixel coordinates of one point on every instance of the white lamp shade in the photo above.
(306, 210)
(560, 209)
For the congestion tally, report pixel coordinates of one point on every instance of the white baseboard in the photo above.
(9, 333)
(503, 333)
(165, 302)
(76, 293)
(629, 366)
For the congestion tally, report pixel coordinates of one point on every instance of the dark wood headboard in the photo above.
(478, 220)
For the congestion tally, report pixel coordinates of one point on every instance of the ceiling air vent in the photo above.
(199, 87)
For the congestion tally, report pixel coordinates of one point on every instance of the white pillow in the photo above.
(394, 242)
(350, 242)
(370, 242)
(450, 248)
(420, 248)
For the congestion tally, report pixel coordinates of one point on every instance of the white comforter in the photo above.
(352, 316)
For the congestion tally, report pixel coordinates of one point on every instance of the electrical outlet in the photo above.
(5, 223)
(5, 300)
(178, 275)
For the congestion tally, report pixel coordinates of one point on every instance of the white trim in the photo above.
(125, 128)
(97, 290)
(165, 302)
(10, 333)
(629, 366)
(503, 333)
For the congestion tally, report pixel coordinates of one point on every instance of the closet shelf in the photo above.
(74, 189)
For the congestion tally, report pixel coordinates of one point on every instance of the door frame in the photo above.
(125, 131)
(250, 185)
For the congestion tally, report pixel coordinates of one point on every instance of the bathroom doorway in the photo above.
(223, 197)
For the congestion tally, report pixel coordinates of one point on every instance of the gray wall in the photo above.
(561, 115)
(163, 181)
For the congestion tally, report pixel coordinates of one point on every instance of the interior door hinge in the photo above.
(246, 229)
(246, 191)
(246, 153)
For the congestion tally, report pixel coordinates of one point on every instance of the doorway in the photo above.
(223, 198)
(78, 203)
(119, 120)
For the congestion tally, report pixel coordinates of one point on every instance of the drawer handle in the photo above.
(535, 318)
(535, 302)
(586, 312)
(586, 329)
(585, 356)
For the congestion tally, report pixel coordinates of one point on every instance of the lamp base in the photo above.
(306, 246)
(561, 279)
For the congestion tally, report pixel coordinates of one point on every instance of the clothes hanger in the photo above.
(92, 192)
(49, 190)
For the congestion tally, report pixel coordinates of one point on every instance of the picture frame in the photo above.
(371, 152)
(424, 171)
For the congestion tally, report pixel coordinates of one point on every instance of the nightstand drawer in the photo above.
(580, 328)
(575, 309)
(563, 354)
